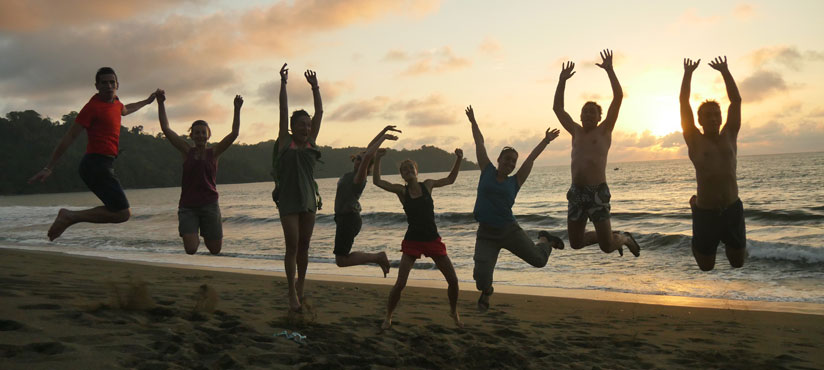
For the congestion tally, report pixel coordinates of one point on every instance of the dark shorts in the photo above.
(588, 201)
(205, 219)
(432, 248)
(710, 226)
(97, 171)
(348, 227)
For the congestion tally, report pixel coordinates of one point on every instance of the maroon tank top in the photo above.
(199, 175)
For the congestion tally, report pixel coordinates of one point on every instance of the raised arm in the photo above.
(526, 167)
(558, 106)
(134, 107)
(453, 174)
(360, 176)
(376, 176)
(181, 145)
(617, 92)
(480, 148)
(312, 79)
(687, 119)
(65, 142)
(283, 126)
(734, 111)
(229, 139)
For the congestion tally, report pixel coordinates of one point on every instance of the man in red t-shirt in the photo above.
(100, 117)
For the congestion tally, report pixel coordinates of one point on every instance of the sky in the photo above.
(418, 64)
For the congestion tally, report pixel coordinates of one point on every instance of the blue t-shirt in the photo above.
(493, 205)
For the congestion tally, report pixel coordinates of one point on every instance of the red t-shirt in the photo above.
(102, 123)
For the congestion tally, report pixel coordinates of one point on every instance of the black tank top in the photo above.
(420, 214)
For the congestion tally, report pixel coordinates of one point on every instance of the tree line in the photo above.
(149, 161)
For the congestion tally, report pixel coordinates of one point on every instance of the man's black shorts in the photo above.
(97, 171)
(348, 227)
(711, 226)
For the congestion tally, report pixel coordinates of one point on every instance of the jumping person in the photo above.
(198, 208)
(347, 208)
(422, 236)
(497, 227)
(100, 117)
(717, 212)
(589, 195)
(296, 200)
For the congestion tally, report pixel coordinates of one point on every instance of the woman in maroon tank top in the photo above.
(198, 209)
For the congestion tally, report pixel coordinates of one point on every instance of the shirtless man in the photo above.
(717, 212)
(589, 195)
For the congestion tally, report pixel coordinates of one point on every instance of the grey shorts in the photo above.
(588, 201)
(204, 218)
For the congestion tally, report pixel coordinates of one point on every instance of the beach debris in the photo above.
(295, 336)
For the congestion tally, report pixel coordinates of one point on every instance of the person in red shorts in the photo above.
(422, 235)
(100, 117)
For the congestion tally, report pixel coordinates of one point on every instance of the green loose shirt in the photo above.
(296, 178)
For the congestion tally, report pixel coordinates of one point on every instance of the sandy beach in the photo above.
(60, 311)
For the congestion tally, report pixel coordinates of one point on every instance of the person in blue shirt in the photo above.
(497, 227)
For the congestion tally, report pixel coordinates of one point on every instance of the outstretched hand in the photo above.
(41, 175)
(311, 77)
(470, 114)
(606, 59)
(390, 137)
(151, 98)
(567, 70)
(459, 152)
(160, 95)
(690, 66)
(238, 101)
(391, 128)
(284, 73)
(551, 134)
(719, 64)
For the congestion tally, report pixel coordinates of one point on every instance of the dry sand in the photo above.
(67, 312)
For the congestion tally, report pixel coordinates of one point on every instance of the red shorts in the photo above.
(432, 248)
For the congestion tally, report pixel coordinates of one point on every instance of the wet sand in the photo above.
(60, 311)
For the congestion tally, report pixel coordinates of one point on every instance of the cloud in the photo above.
(744, 11)
(761, 85)
(692, 18)
(788, 56)
(362, 110)
(428, 112)
(490, 46)
(299, 92)
(777, 136)
(37, 15)
(433, 61)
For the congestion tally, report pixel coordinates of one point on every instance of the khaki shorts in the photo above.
(206, 219)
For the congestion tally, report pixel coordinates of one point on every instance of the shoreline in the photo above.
(536, 291)
(64, 311)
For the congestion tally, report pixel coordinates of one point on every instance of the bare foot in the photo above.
(483, 301)
(294, 304)
(633, 246)
(384, 263)
(457, 318)
(387, 323)
(60, 224)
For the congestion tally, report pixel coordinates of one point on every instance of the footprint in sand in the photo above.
(9, 325)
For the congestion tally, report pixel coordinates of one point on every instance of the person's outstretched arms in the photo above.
(617, 92)
(453, 174)
(283, 105)
(363, 170)
(229, 139)
(734, 111)
(134, 107)
(558, 106)
(526, 167)
(312, 79)
(65, 142)
(480, 147)
(687, 119)
(181, 145)
(376, 176)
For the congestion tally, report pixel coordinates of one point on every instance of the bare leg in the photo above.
(97, 215)
(214, 245)
(706, 262)
(361, 258)
(404, 268)
(736, 256)
(608, 240)
(191, 242)
(307, 225)
(290, 224)
(445, 265)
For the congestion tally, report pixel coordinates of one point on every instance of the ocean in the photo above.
(783, 199)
